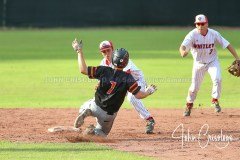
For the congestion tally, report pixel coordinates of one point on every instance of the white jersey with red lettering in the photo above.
(203, 50)
(139, 77)
(130, 68)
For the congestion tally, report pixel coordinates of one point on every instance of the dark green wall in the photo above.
(1, 11)
(75, 13)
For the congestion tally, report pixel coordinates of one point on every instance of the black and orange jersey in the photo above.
(113, 86)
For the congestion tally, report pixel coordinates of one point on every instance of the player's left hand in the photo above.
(234, 69)
(77, 45)
(151, 89)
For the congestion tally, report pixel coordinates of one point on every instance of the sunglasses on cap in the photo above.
(200, 24)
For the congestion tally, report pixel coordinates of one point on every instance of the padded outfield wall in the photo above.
(84, 13)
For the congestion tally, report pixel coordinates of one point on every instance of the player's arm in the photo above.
(183, 51)
(135, 89)
(143, 94)
(233, 51)
(225, 44)
(77, 46)
(81, 63)
(186, 44)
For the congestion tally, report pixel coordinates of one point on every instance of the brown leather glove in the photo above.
(234, 69)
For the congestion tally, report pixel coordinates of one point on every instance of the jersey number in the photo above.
(211, 51)
(113, 85)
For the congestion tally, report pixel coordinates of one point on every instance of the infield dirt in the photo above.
(220, 141)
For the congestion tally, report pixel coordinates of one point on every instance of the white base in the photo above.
(63, 128)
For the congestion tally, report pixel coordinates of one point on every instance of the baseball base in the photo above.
(63, 128)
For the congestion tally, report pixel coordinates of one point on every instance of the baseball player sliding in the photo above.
(106, 48)
(202, 43)
(111, 92)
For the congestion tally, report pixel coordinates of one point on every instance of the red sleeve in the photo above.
(133, 85)
(92, 72)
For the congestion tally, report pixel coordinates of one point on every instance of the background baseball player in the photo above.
(110, 94)
(202, 43)
(106, 48)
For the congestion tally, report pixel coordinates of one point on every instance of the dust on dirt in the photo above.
(204, 135)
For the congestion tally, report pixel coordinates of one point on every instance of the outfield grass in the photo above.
(38, 68)
(66, 151)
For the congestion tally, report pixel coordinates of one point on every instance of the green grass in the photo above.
(39, 69)
(66, 151)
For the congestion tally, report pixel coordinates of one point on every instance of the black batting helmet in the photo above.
(120, 58)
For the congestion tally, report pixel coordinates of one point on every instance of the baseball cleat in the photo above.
(216, 107)
(150, 125)
(187, 112)
(89, 130)
(80, 118)
(188, 109)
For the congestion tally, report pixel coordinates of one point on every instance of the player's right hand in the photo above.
(77, 45)
(151, 89)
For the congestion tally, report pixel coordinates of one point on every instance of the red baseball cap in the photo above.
(105, 45)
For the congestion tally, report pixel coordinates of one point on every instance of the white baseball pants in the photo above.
(137, 103)
(198, 72)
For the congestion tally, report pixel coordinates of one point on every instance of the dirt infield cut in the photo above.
(204, 135)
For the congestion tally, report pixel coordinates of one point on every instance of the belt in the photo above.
(205, 63)
(202, 63)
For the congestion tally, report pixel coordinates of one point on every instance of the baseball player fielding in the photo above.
(202, 42)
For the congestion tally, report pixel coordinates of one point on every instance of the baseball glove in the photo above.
(234, 69)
